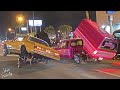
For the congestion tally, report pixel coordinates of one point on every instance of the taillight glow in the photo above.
(95, 52)
(48, 51)
(37, 48)
(56, 54)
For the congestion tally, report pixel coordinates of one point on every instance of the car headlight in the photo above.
(9, 46)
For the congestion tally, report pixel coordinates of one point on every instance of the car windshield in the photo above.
(40, 41)
(19, 38)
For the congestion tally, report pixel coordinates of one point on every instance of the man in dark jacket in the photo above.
(44, 36)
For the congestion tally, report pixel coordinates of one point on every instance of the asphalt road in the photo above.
(64, 69)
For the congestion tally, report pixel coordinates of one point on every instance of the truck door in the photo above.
(64, 49)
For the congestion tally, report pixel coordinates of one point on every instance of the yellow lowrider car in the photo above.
(31, 47)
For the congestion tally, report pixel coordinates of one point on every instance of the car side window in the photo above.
(64, 44)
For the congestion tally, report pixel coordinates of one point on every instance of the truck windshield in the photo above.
(117, 35)
(76, 43)
(109, 44)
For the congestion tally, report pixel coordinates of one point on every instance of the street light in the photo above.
(9, 29)
(20, 19)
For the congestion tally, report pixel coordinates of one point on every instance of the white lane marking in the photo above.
(8, 55)
(108, 73)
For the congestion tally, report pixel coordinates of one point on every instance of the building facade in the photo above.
(102, 20)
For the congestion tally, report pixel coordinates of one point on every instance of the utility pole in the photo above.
(87, 15)
(33, 23)
(110, 20)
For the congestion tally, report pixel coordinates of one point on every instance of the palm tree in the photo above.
(50, 30)
(65, 30)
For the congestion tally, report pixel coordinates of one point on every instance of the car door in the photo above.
(64, 49)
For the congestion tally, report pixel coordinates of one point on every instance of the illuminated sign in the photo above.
(110, 12)
(23, 28)
(36, 22)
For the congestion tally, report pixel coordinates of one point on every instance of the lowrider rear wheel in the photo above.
(5, 50)
(76, 59)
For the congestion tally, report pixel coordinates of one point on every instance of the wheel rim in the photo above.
(77, 59)
(4, 51)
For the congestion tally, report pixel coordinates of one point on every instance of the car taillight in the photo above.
(48, 51)
(37, 48)
(56, 54)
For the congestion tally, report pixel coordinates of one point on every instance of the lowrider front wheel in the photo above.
(5, 50)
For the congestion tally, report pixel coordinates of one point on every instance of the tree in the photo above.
(50, 30)
(65, 30)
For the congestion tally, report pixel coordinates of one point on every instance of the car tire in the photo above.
(5, 50)
(77, 59)
(23, 53)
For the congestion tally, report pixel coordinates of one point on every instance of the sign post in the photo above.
(110, 19)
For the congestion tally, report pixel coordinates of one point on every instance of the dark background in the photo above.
(54, 18)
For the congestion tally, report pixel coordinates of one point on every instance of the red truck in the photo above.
(98, 43)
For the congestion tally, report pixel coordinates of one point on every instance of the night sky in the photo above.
(54, 18)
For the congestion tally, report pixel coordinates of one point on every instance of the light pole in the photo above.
(11, 31)
(110, 22)
(87, 14)
(20, 19)
(110, 19)
(27, 25)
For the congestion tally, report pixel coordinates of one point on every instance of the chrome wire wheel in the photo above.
(76, 59)
(5, 50)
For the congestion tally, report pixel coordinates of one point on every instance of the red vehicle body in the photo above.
(69, 47)
(98, 43)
